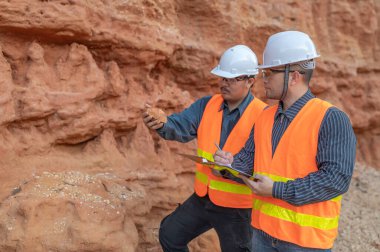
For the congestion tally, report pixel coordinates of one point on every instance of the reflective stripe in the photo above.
(284, 179)
(304, 220)
(204, 154)
(337, 198)
(210, 157)
(274, 177)
(201, 177)
(227, 187)
(221, 185)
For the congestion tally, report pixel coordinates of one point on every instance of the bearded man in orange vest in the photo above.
(304, 154)
(220, 201)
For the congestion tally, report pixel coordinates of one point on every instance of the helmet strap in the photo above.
(286, 80)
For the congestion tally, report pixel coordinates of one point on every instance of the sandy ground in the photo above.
(359, 227)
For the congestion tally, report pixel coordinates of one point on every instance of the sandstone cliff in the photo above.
(78, 169)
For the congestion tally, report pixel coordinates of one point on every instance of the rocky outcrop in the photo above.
(74, 77)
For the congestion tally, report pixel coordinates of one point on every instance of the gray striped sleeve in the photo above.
(243, 160)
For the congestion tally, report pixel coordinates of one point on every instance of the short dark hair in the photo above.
(308, 74)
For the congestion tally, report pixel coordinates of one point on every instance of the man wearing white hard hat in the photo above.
(220, 201)
(304, 154)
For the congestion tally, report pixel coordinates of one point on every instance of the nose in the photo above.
(223, 83)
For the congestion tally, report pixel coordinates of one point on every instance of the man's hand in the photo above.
(153, 118)
(262, 185)
(223, 157)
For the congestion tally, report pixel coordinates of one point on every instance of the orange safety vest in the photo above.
(312, 225)
(223, 192)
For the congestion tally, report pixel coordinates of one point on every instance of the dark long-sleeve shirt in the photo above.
(183, 126)
(335, 156)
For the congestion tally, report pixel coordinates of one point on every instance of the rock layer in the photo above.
(74, 79)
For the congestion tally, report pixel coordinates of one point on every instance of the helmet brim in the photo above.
(216, 71)
(291, 63)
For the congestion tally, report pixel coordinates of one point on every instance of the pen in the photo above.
(217, 146)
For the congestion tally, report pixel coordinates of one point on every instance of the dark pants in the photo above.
(263, 242)
(197, 215)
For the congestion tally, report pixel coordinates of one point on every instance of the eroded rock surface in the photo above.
(74, 77)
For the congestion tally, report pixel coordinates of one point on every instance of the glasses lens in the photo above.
(240, 78)
(228, 80)
(234, 80)
(268, 72)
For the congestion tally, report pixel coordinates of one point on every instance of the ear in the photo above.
(295, 77)
(251, 82)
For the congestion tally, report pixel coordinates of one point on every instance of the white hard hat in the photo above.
(289, 47)
(237, 61)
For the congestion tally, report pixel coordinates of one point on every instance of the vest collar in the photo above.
(243, 105)
(293, 110)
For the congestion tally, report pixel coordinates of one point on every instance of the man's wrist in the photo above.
(278, 190)
(162, 129)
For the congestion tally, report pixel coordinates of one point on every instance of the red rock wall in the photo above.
(78, 170)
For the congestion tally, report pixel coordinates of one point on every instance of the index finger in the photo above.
(245, 179)
(248, 181)
(221, 153)
(147, 119)
(259, 176)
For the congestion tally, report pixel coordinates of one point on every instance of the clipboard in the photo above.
(214, 165)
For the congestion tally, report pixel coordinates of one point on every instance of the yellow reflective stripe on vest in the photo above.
(206, 155)
(227, 187)
(201, 177)
(220, 168)
(284, 179)
(274, 177)
(221, 185)
(210, 157)
(337, 198)
(304, 220)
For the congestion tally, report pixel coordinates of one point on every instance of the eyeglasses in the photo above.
(268, 72)
(234, 80)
